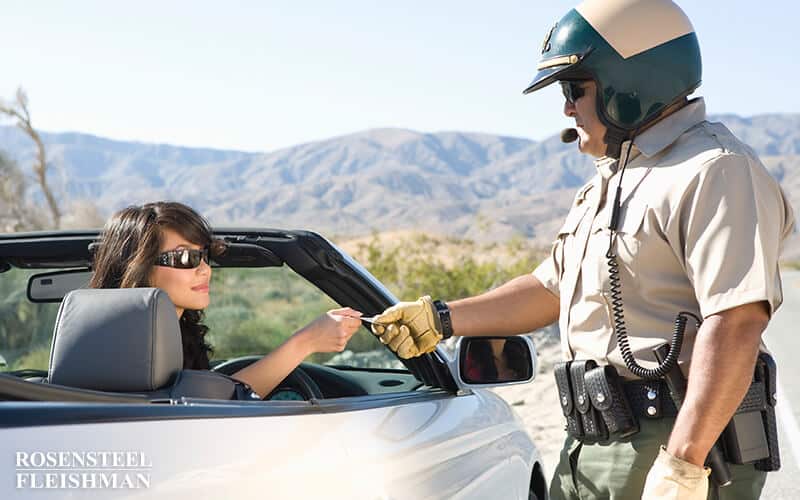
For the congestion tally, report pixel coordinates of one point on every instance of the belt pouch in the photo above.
(604, 386)
(593, 426)
(744, 437)
(566, 399)
(752, 436)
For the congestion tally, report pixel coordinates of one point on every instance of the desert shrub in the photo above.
(419, 266)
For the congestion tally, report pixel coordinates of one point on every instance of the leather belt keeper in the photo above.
(649, 399)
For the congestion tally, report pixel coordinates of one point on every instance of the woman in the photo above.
(167, 245)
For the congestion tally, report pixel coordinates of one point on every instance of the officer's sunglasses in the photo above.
(573, 90)
(183, 258)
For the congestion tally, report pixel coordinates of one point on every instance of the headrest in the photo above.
(119, 340)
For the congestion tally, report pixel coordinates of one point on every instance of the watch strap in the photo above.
(443, 312)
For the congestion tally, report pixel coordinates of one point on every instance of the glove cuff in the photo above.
(683, 471)
(445, 324)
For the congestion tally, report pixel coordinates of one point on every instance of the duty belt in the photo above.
(650, 399)
(600, 406)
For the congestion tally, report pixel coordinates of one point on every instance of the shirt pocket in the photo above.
(567, 246)
(573, 220)
(627, 245)
(632, 218)
(629, 241)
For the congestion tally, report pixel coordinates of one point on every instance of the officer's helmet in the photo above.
(642, 54)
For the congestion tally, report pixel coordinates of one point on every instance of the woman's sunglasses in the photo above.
(183, 258)
(572, 90)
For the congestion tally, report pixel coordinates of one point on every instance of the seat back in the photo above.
(118, 340)
(129, 340)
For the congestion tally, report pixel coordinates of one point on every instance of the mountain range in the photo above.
(471, 185)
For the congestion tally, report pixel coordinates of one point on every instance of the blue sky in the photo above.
(263, 75)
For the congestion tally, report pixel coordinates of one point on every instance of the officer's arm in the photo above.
(722, 365)
(519, 306)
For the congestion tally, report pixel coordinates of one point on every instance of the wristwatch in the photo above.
(443, 312)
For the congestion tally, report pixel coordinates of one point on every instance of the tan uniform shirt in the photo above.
(701, 228)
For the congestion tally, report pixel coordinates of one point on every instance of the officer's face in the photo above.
(591, 130)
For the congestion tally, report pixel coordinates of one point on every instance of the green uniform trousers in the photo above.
(617, 470)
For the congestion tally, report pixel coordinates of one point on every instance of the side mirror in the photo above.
(493, 361)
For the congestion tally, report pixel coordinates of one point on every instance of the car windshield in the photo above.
(252, 312)
(25, 327)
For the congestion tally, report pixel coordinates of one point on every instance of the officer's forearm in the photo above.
(519, 306)
(722, 365)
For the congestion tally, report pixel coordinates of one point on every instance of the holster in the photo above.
(752, 434)
(766, 364)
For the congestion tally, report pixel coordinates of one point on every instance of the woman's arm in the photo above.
(328, 333)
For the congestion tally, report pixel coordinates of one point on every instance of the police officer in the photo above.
(680, 216)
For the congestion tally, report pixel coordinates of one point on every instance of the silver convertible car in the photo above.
(95, 403)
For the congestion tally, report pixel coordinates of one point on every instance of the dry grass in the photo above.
(445, 249)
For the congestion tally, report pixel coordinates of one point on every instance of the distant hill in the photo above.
(471, 185)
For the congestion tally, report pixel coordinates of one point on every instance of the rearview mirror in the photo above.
(496, 360)
(51, 287)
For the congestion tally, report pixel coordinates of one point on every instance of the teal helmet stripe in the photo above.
(637, 89)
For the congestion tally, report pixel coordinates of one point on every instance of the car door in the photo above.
(468, 446)
(256, 450)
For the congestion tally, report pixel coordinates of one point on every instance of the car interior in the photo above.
(143, 362)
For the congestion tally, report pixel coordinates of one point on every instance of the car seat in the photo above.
(129, 340)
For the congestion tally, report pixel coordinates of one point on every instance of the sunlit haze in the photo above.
(264, 75)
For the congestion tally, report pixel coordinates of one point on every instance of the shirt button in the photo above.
(651, 394)
(580, 400)
(564, 400)
(651, 410)
(600, 397)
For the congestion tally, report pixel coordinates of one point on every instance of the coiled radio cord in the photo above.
(615, 282)
(621, 331)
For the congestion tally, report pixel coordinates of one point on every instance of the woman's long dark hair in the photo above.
(127, 251)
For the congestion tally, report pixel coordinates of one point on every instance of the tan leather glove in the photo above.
(409, 328)
(672, 478)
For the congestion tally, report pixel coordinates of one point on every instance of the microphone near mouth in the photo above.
(569, 135)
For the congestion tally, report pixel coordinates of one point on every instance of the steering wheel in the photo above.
(297, 380)
(300, 381)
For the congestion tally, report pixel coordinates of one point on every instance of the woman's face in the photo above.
(187, 288)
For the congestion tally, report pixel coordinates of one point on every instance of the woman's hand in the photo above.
(331, 331)
(328, 333)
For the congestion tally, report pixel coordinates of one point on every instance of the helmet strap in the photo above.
(614, 138)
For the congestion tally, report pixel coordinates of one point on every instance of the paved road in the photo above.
(783, 341)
